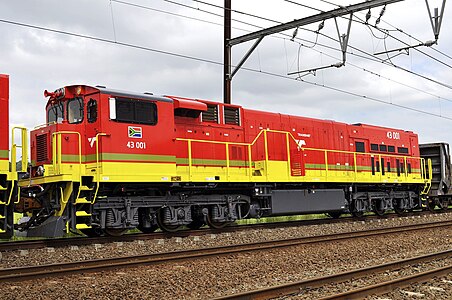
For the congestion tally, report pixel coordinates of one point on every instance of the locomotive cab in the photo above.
(101, 128)
(96, 141)
(58, 145)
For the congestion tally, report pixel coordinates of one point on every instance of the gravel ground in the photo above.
(216, 276)
(66, 254)
(373, 279)
(435, 289)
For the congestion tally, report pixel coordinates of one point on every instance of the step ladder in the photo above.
(3, 209)
(83, 207)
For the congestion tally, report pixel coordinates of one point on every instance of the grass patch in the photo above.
(280, 219)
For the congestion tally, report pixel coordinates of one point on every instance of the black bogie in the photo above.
(118, 208)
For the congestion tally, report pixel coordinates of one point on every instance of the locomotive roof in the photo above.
(128, 94)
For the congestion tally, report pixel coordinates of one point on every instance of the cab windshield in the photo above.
(75, 110)
(55, 113)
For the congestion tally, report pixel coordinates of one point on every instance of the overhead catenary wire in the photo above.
(395, 38)
(369, 55)
(178, 55)
(399, 30)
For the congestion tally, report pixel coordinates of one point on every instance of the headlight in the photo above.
(40, 171)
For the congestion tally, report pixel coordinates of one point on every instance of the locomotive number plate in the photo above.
(136, 145)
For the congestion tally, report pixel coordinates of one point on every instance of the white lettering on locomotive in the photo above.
(136, 145)
(393, 135)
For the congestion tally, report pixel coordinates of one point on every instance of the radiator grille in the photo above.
(41, 148)
(231, 116)
(211, 115)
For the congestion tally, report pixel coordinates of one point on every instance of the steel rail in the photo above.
(83, 240)
(389, 286)
(32, 272)
(380, 288)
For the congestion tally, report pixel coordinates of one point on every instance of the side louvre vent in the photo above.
(231, 116)
(211, 115)
(41, 148)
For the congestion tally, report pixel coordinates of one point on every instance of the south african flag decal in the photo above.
(135, 132)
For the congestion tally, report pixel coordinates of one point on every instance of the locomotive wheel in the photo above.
(165, 227)
(92, 232)
(115, 231)
(196, 224)
(379, 210)
(398, 210)
(356, 214)
(147, 229)
(431, 204)
(444, 204)
(216, 225)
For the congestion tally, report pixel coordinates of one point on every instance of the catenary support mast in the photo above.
(259, 35)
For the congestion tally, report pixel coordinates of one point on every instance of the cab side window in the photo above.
(135, 111)
(91, 113)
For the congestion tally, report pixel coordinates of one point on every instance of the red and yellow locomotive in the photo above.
(109, 161)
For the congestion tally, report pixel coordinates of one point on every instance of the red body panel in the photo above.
(158, 143)
(309, 133)
(4, 113)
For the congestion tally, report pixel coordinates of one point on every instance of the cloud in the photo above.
(38, 60)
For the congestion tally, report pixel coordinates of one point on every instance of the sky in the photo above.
(175, 47)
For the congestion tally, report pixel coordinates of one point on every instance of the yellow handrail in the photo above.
(326, 152)
(23, 146)
(18, 195)
(250, 163)
(97, 166)
(11, 193)
(227, 160)
(266, 153)
(56, 149)
(289, 167)
(189, 160)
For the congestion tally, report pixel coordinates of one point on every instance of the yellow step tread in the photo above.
(82, 213)
(82, 226)
(2, 217)
(85, 188)
(81, 201)
(2, 231)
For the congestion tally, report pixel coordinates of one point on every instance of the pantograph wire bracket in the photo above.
(436, 19)
(343, 43)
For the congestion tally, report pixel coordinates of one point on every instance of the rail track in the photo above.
(83, 240)
(360, 293)
(33, 272)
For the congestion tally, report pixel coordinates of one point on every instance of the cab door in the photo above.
(363, 160)
(92, 140)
